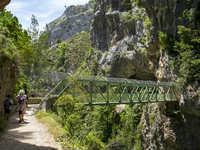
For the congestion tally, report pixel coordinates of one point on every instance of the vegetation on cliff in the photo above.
(26, 47)
(184, 49)
(70, 54)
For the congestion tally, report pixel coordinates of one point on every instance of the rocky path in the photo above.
(31, 135)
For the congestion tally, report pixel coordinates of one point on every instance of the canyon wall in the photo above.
(128, 38)
(3, 3)
(8, 78)
(74, 19)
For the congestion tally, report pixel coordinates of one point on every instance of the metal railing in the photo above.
(107, 90)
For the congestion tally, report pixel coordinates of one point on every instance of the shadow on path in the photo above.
(31, 135)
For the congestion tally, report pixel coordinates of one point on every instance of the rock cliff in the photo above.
(121, 40)
(131, 46)
(9, 78)
(74, 19)
(3, 3)
(127, 36)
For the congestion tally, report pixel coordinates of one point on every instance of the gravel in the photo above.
(31, 135)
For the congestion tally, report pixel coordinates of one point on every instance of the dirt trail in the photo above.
(31, 135)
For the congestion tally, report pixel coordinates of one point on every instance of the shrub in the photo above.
(3, 123)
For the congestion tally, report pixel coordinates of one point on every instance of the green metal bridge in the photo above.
(106, 90)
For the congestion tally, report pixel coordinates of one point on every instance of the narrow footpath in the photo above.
(31, 135)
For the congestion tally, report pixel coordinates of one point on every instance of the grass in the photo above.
(3, 123)
(51, 121)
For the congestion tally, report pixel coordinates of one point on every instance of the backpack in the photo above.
(7, 104)
(21, 99)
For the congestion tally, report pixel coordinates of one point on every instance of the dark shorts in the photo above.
(7, 111)
(20, 112)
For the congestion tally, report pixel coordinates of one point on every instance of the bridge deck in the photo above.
(107, 90)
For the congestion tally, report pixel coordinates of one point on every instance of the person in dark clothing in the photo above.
(7, 106)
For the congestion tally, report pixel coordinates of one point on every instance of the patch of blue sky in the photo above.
(45, 11)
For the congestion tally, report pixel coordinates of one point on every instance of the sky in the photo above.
(45, 11)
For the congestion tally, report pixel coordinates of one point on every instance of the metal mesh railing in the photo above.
(109, 90)
(103, 80)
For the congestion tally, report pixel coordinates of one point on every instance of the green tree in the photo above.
(61, 56)
(189, 55)
(38, 44)
(7, 47)
(19, 37)
(71, 53)
(58, 40)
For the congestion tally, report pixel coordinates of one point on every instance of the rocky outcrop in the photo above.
(129, 48)
(165, 16)
(74, 19)
(3, 3)
(176, 131)
(133, 51)
(8, 78)
(121, 41)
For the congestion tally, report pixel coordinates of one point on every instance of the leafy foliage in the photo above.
(38, 44)
(3, 122)
(19, 37)
(70, 54)
(185, 50)
(98, 127)
(22, 81)
(26, 47)
(189, 54)
(58, 40)
(7, 47)
(167, 42)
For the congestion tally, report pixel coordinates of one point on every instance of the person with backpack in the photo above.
(26, 93)
(7, 106)
(21, 106)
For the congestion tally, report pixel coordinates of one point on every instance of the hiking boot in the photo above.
(22, 121)
(19, 121)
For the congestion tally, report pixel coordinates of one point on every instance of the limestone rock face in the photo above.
(8, 80)
(3, 3)
(120, 41)
(164, 15)
(175, 132)
(74, 19)
(128, 53)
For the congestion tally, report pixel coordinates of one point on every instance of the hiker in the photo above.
(7, 106)
(26, 93)
(21, 106)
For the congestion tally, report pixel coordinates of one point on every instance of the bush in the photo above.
(3, 123)
(58, 40)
